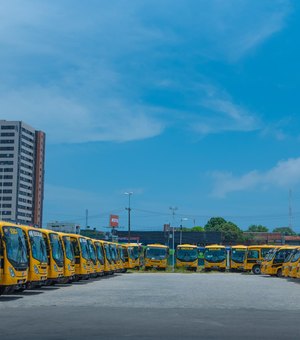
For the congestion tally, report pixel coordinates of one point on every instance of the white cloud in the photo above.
(69, 121)
(82, 72)
(285, 174)
(218, 113)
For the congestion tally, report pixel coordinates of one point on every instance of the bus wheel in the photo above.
(279, 272)
(256, 270)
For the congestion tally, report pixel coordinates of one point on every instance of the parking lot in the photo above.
(152, 305)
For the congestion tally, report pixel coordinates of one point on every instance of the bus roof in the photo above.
(212, 246)
(157, 245)
(186, 246)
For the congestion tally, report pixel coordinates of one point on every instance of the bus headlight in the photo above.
(55, 268)
(69, 267)
(84, 266)
(11, 271)
(36, 270)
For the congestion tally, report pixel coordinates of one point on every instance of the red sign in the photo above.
(114, 221)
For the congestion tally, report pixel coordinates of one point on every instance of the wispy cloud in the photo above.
(284, 174)
(83, 72)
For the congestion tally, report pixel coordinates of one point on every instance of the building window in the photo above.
(6, 198)
(6, 148)
(6, 155)
(7, 141)
(6, 205)
(7, 184)
(6, 212)
(6, 191)
(8, 127)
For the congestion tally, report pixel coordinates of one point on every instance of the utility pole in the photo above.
(173, 209)
(129, 211)
(86, 218)
(290, 210)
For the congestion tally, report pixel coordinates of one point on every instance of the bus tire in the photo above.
(279, 272)
(256, 270)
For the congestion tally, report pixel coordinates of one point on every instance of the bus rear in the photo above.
(13, 258)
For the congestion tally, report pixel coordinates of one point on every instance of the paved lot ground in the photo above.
(150, 305)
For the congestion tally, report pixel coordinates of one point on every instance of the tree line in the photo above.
(232, 233)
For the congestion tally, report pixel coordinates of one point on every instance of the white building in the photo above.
(64, 227)
(22, 153)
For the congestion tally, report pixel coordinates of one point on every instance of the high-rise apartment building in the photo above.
(22, 155)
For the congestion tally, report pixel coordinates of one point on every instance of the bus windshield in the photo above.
(112, 252)
(15, 246)
(68, 248)
(92, 251)
(289, 254)
(38, 245)
(281, 255)
(107, 252)
(238, 255)
(57, 251)
(187, 254)
(215, 255)
(122, 256)
(156, 253)
(100, 254)
(84, 248)
(296, 256)
(270, 255)
(135, 252)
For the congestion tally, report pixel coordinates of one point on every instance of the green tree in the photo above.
(214, 224)
(230, 231)
(287, 231)
(197, 228)
(258, 229)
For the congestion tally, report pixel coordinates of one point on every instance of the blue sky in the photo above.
(191, 104)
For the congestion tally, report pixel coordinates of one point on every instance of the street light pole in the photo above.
(173, 209)
(183, 219)
(129, 211)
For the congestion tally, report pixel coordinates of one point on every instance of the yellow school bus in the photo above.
(272, 264)
(55, 256)
(13, 257)
(82, 256)
(130, 257)
(93, 257)
(254, 257)
(69, 258)
(237, 257)
(187, 257)
(294, 263)
(122, 257)
(100, 257)
(108, 261)
(215, 257)
(287, 262)
(37, 257)
(156, 256)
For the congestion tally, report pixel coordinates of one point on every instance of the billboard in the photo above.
(114, 221)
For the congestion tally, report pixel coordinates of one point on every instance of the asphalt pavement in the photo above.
(157, 305)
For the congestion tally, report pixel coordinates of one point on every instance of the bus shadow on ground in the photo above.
(4, 298)
(293, 280)
(28, 292)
